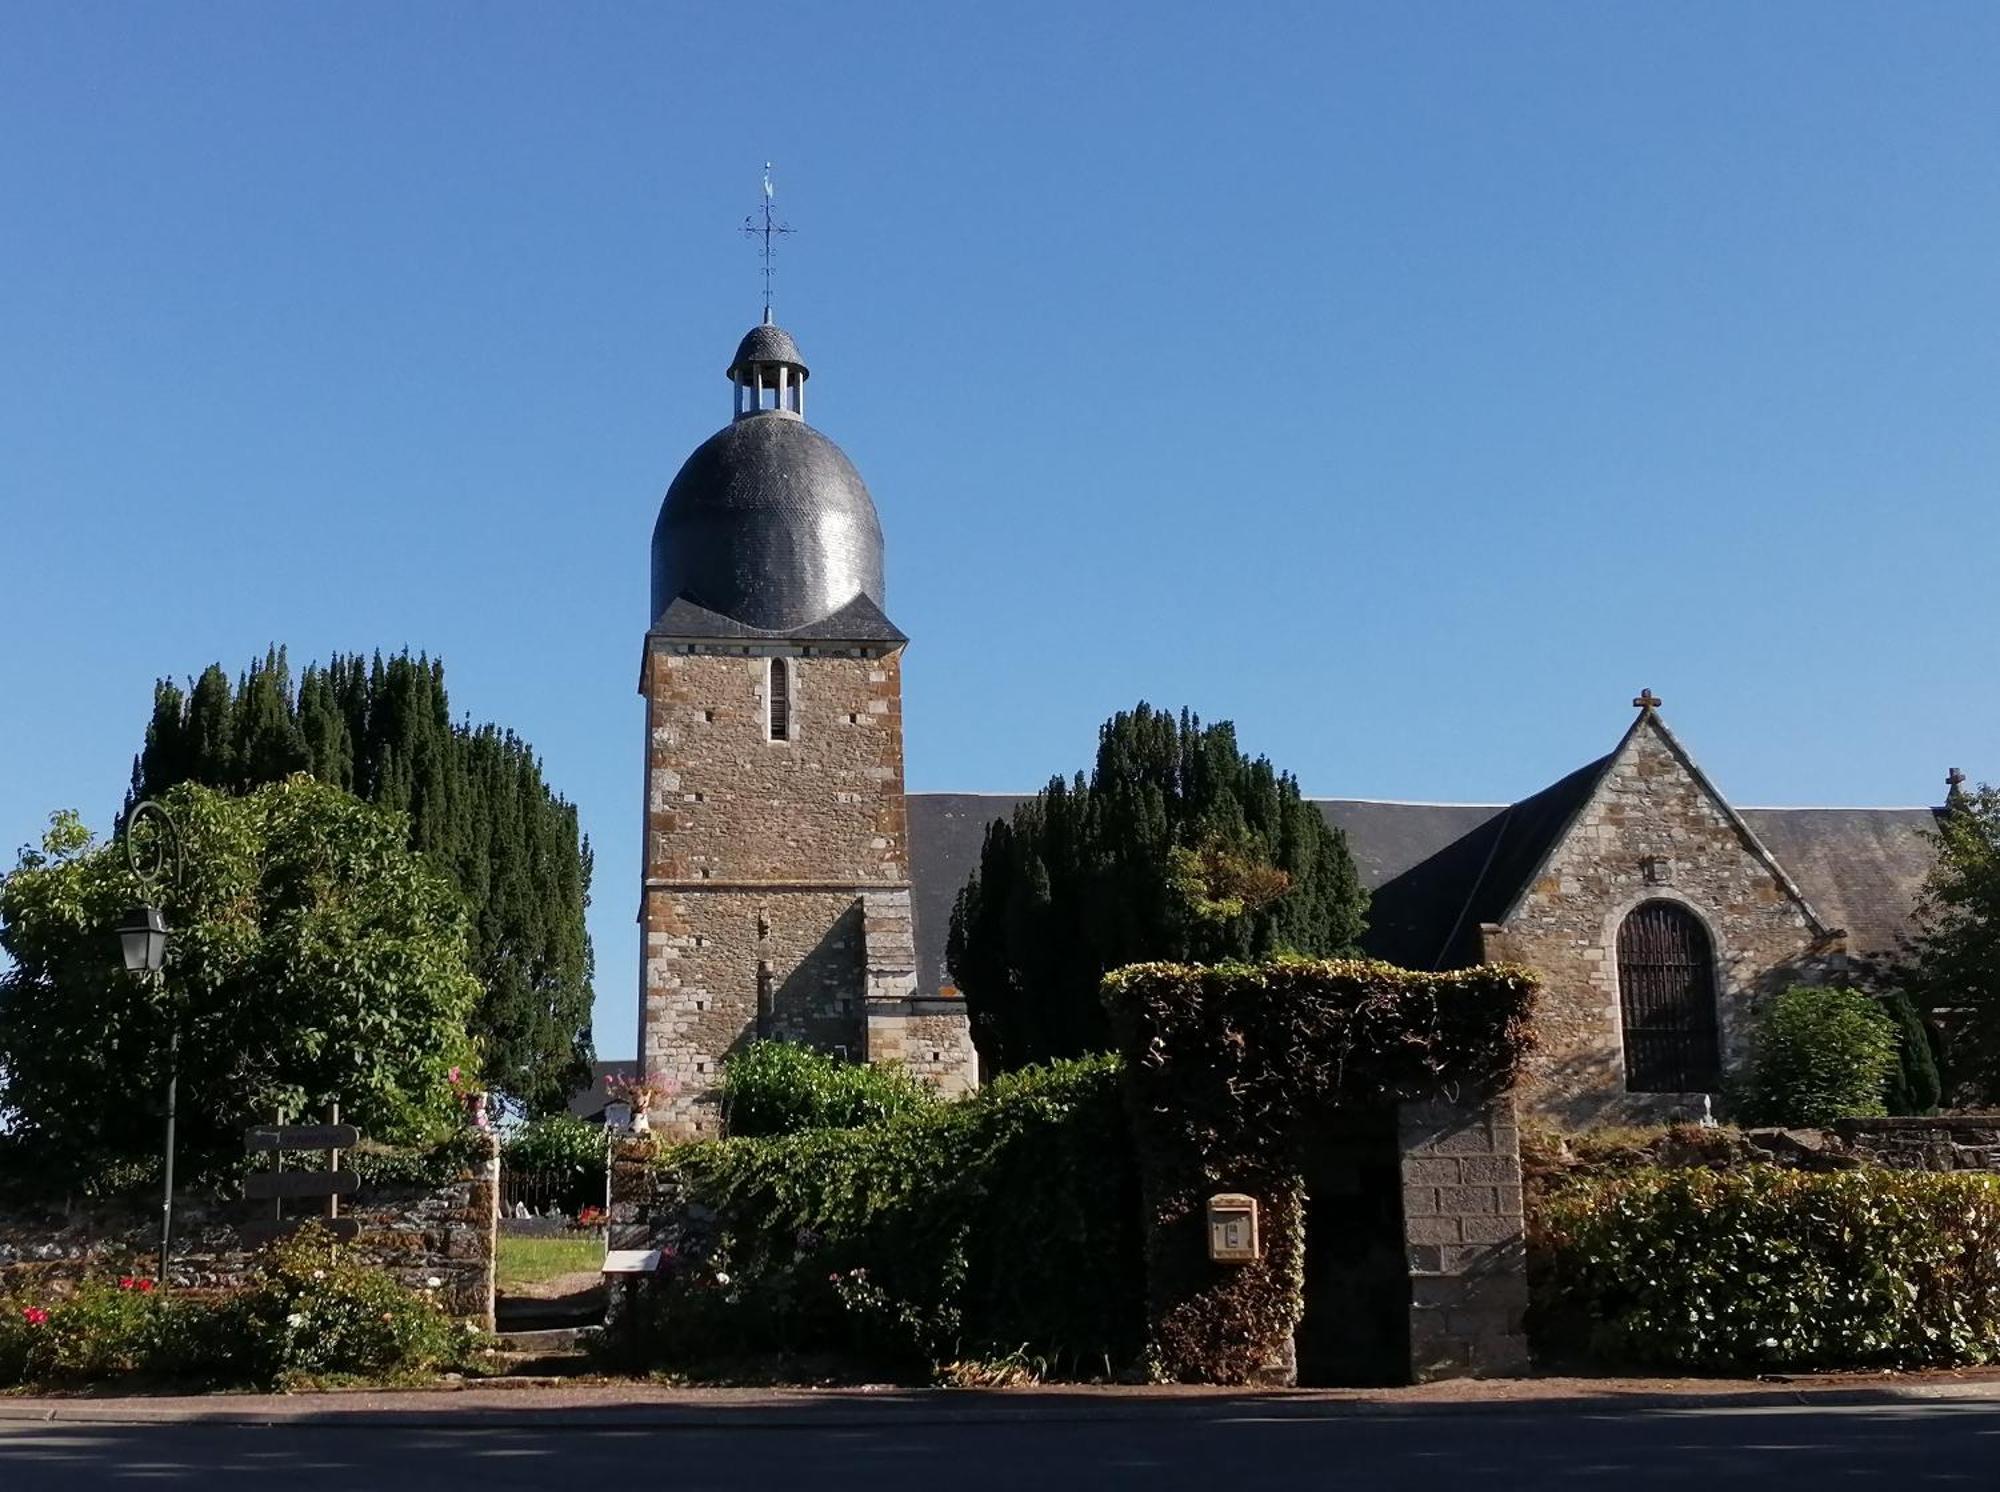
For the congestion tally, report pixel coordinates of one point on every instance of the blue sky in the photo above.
(1409, 383)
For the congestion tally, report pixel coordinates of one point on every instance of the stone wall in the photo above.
(1954, 1142)
(1652, 830)
(727, 805)
(416, 1233)
(776, 895)
(1463, 1220)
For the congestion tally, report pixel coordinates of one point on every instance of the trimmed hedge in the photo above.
(1004, 1224)
(782, 1088)
(1769, 1268)
(1223, 1063)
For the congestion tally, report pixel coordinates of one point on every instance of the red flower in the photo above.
(126, 1282)
(35, 1316)
(145, 1287)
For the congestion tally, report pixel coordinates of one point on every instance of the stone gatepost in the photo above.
(1464, 1226)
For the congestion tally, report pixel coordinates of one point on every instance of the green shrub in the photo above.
(570, 1151)
(999, 1223)
(780, 1088)
(1821, 1055)
(1769, 1268)
(307, 1313)
(313, 1311)
(1915, 1086)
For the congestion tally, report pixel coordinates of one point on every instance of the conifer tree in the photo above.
(1177, 846)
(477, 806)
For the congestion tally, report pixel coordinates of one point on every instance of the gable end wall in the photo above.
(1649, 805)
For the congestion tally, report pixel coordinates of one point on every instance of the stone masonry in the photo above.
(776, 894)
(417, 1233)
(1463, 1224)
(1653, 829)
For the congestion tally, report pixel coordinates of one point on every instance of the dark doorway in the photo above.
(1356, 1326)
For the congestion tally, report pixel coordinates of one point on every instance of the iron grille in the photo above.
(1666, 991)
(781, 701)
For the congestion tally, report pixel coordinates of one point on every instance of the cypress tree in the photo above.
(477, 805)
(1177, 846)
(1915, 1086)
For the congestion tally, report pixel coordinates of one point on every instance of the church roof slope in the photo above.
(1863, 868)
(1437, 870)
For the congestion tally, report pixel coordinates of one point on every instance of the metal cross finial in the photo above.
(1647, 700)
(766, 227)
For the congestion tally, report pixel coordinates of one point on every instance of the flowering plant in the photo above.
(639, 1091)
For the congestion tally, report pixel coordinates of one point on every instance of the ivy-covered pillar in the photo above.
(1225, 1067)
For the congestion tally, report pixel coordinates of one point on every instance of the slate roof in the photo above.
(1437, 870)
(768, 524)
(1861, 868)
(860, 620)
(768, 344)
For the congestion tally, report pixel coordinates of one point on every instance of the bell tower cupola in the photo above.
(769, 375)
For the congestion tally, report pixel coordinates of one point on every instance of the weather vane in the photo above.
(766, 228)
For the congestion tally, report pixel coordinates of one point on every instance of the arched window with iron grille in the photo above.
(1666, 993)
(781, 700)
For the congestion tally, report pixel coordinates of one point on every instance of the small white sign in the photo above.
(618, 1116)
(631, 1261)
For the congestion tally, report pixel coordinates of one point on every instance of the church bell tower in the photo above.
(776, 896)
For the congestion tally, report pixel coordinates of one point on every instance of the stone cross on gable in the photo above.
(1954, 780)
(1647, 700)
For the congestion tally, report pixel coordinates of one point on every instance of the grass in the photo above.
(533, 1261)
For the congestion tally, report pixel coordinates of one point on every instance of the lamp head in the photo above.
(143, 938)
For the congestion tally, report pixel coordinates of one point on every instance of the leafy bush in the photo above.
(571, 1152)
(1821, 1055)
(313, 1311)
(999, 1223)
(308, 1312)
(780, 1088)
(1770, 1268)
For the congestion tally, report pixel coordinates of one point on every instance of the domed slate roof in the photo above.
(768, 344)
(769, 525)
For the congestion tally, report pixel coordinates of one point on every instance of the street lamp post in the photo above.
(142, 937)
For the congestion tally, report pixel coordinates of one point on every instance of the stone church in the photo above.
(792, 889)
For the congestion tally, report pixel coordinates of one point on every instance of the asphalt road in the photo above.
(1217, 1448)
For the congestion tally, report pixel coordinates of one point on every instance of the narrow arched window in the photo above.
(1666, 994)
(781, 700)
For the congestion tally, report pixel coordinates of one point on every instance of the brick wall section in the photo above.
(1650, 804)
(448, 1233)
(1462, 1218)
(776, 895)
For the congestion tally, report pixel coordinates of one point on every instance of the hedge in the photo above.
(782, 1088)
(1002, 1224)
(1768, 1268)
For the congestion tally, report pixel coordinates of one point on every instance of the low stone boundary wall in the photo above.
(416, 1233)
(1931, 1142)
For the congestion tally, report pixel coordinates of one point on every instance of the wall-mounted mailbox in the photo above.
(1232, 1229)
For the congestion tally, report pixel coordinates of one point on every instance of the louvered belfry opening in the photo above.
(781, 700)
(1666, 991)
